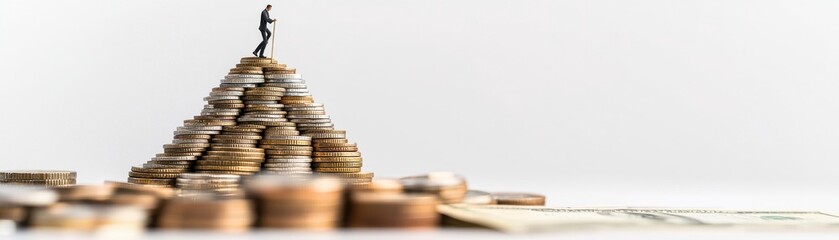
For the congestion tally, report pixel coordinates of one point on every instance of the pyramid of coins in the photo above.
(261, 119)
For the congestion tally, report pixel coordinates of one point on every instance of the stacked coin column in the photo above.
(235, 150)
(288, 153)
(333, 153)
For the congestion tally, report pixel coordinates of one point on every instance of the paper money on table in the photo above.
(510, 218)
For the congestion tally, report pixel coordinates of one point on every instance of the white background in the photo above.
(656, 103)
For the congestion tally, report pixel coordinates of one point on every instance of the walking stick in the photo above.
(272, 39)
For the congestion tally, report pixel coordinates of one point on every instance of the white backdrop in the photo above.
(678, 103)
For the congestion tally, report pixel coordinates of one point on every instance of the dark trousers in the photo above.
(265, 36)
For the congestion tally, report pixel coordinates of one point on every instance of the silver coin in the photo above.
(307, 128)
(284, 158)
(318, 120)
(285, 86)
(207, 176)
(273, 105)
(304, 109)
(213, 98)
(253, 115)
(287, 170)
(186, 145)
(219, 113)
(294, 105)
(186, 132)
(227, 94)
(307, 116)
(236, 75)
(201, 128)
(249, 119)
(285, 81)
(181, 141)
(221, 110)
(325, 135)
(174, 158)
(297, 94)
(281, 137)
(284, 76)
(297, 90)
(243, 80)
(287, 165)
(241, 85)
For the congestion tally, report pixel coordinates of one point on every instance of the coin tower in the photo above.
(260, 119)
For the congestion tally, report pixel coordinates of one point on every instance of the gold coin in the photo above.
(508, 198)
(336, 149)
(182, 154)
(336, 170)
(338, 164)
(336, 154)
(288, 153)
(235, 154)
(282, 133)
(202, 136)
(329, 140)
(306, 112)
(42, 182)
(246, 137)
(225, 172)
(227, 168)
(289, 101)
(152, 181)
(351, 175)
(336, 159)
(231, 158)
(261, 98)
(170, 162)
(152, 175)
(244, 72)
(237, 149)
(182, 150)
(228, 163)
(158, 170)
(287, 148)
(329, 144)
(286, 142)
(37, 174)
(234, 141)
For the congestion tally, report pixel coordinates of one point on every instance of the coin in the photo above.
(392, 210)
(37, 174)
(511, 198)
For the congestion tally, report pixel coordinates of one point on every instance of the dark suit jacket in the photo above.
(264, 20)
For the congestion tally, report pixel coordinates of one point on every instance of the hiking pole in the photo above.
(272, 39)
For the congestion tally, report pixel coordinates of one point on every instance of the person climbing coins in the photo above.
(264, 20)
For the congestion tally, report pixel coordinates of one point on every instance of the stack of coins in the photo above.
(257, 95)
(85, 193)
(157, 174)
(388, 210)
(146, 197)
(16, 201)
(207, 212)
(234, 151)
(222, 185)
(52, 178)
(297, 202)
(287, 152)
(527, 199)
(447, 186)
(334, 155)
(102, 219)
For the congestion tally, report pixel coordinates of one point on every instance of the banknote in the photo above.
(510, 218)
